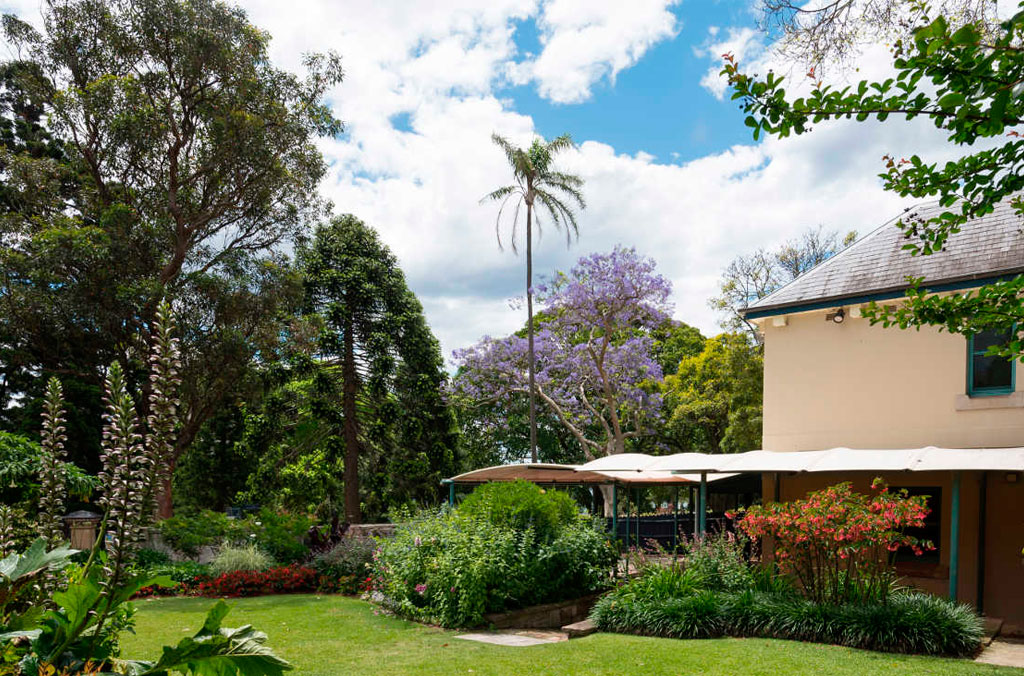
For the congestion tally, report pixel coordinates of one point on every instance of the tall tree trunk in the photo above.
(529, 330)
(165, 493)
(350, 389)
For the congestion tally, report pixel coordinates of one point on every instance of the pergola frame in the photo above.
(550, 474)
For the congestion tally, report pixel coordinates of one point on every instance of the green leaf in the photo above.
(34, 560)
(952, 99)
(217, 651)
(966, 35)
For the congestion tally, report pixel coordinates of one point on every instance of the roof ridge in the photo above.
(764, 300)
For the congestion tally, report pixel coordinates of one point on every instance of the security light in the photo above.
(838, 316)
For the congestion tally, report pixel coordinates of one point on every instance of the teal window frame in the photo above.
(998, 391)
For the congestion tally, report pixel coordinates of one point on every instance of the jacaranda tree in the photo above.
(595, 356)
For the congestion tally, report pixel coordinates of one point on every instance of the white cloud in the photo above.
(743, 43)
(585, 42)
(443, 62)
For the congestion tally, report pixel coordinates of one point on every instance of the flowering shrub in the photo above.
(286, 580)
(838, 543)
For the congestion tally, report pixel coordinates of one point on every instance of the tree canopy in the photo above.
(595, 353)
(377, 344)
(151, 149)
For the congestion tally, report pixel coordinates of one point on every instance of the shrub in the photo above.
(149, 558)
(452, 569)
(910, 622)
(838, 543)
(284, 580)
(231, 558)
(520, 505)
(280, 535)
(718, 562)
(188, 534)
(347, 565)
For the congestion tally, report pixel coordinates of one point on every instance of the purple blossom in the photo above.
(595, 368)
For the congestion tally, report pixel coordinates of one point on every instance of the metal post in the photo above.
(693, 509)
(636, 535)
(451, 493)
(615, 512)
(954, 538)
(675, 521)
(702, 523)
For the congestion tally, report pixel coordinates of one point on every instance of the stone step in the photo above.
(580, 629)
(993, 625)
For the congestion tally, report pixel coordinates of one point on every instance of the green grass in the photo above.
(343, 636)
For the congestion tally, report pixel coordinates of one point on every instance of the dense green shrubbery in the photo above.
(909, 622)
(453, 567)
(713, 591)
(188, 534)
(520, 505)
(282, 536)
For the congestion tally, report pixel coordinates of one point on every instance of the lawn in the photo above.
(343, 636)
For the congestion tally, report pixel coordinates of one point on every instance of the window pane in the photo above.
(991, 373)
(986, 339)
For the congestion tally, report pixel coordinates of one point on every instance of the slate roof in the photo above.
(877, 265)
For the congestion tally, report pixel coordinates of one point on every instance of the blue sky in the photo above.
(656, 106)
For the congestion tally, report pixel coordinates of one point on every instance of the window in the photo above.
(932, 529)
(988, 375)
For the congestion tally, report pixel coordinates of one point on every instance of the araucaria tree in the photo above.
(966, 81)
(596, 371)
(537, 186)
(374, 333)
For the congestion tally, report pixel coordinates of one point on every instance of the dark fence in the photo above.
(661, 528)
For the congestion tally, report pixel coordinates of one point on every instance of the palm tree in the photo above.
(537, 184)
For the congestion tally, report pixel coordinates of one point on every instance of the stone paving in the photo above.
(1003, 652)
(516, 638)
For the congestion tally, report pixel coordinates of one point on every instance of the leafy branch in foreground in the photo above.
(967, 82)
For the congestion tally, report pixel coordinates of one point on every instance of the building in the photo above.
(833, 380)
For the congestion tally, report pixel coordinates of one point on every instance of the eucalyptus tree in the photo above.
(151, 149)
(537, 185)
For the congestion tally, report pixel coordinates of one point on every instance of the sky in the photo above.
(669, 166)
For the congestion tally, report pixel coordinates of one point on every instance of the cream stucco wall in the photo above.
(863, 386)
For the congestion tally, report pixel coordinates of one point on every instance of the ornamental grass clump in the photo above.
(246, 558)
(838, 544)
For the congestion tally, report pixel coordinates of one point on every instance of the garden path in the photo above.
(1003, 652)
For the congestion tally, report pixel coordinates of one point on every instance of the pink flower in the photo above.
(420, 588)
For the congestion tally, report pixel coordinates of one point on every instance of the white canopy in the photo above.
(550, 473)
(834, 460)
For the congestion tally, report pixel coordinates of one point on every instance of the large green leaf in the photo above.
(35, 559)
(217, 651)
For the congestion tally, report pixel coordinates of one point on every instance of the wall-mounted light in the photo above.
(838, 316)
